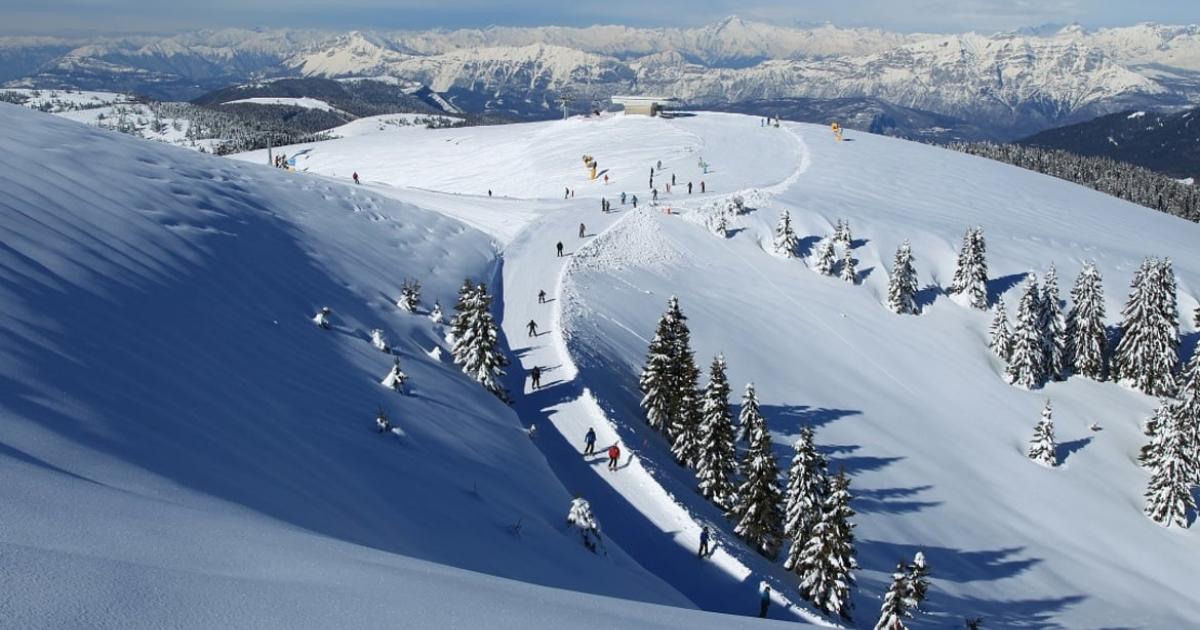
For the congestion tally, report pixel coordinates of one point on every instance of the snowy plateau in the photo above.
(180, 445)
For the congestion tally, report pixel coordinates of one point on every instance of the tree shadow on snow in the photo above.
(789, 419)
(805, 246)
(864, 274)
(1067, 449)
(891, 500)
(858, 242)
(997, 287)
(927, 296)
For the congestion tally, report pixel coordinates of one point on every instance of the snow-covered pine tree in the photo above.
(786, 240)
(1169, 494)
(1155, 436)
(380, 341)
(918, 581)
(1086, 335)
(757, 510)
(478, 350)
(1025, 362)
(322, 318)
(749, 414)
(716, 457)
(848, 273)
(1196, 317)
(841, 234)
(396, 378)
(1000, 338)
(655, 382)
(826, 258)
(827, 563)
(1147, 354)
(902, 286)
(894, 610)
(687, 423)
(460, 321)
(1053, 328)
(970, 278)
(1187, 412)
(435, 313)
(581, 518)
(807, 487)
(410, 295)
(1042, 448)
(720, 226)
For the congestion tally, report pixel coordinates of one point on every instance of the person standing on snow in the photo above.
(582, 230)
(535, 377)
(704, 535)
(764, 601)
(689, 188)
(532, 327)
(622, 198)
(356, 177)
(614, 455)
(542, 296)
(660, 165)
(635, 201)
(589, 442)
(560, 249)
(672, 179)
(654, 194)
(702, 186)
(566, 193)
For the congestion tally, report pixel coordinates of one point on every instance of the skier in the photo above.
(535, 376)
(660, 165)
(589, 441)
(356, 177)
(560, 249)
(764, 593)
(322, 318)
(532, 431)
(634, 201)
(672, 179)
(622, 198)
(689, 188)
(704, 535)
(654, 194)
(582, 230)
(606, 179)
(542, 296)
(702, 186)
(668, 187)
(532, 327)
(614, 455)
(566, 193)
(381, 422)
(489, 192)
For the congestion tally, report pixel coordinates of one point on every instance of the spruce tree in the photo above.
(477, 351)
(1054, 338)
(687, 421)
(1147, 354)
(1000, 338)
(786, 240)
(1025, 362)
(716, 457)
(807, 487)
(918, 581)
(749, 414)
(379, 340)
(841, 234)
(849, 273)
(827, 563)
(826, 258)
(1042, 448)
(970, 278)
(1187, 411)
(435, 313)
(895, 604)
(757, 510)
(1196, 317)
(1169, 493)
(410, 296)
(655, 382)
(1155, 436)
(580, 517)
(459, 322)
(1086, 335)
(902, 286)
(683, 371)
(395, 378)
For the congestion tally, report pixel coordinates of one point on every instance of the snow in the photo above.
(1135, 115)
(303, 102)
(914, 408)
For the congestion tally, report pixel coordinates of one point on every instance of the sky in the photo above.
(90, 16)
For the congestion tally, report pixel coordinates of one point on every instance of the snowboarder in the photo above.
(704, 536)
(535, 376)
(622, 198)
(356, 178)
(542, 296)
(381, 422)
(634, 201)
(322, 317)
(764, 594)
(582, 230)
(560, 249)
(532, 327)
(689, 188)
(589, 442)
(614, 455)
(702, 186)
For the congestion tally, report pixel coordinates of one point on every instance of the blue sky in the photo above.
(50, 16)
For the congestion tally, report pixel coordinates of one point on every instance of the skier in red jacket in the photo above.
(614, 454)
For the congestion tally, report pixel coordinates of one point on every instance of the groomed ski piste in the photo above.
(182, 446)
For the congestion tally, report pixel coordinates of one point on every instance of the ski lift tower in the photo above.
(564, 101)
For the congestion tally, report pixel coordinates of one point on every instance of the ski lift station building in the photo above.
(646, 105)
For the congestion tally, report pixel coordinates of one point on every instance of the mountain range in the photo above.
(1009, 85)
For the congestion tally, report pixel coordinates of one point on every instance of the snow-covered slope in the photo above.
(181, 446)
(914, 408)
